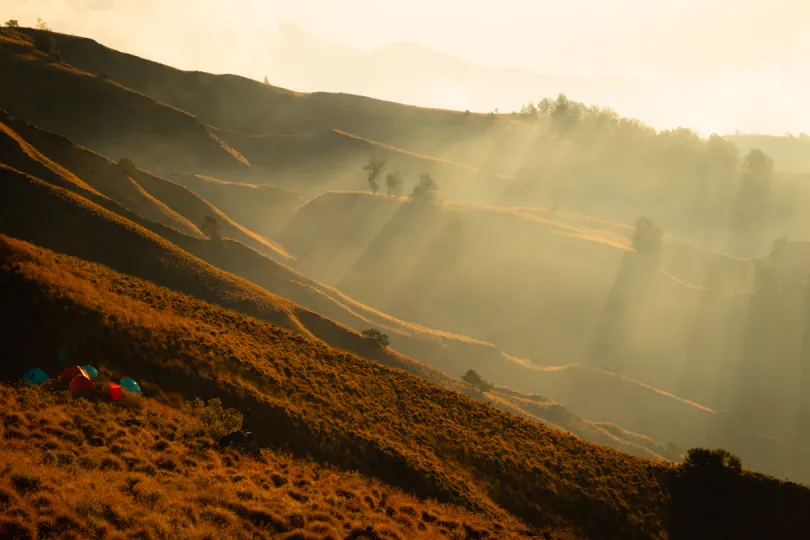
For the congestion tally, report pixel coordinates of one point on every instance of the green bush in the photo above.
(377, 337)
(214, 420)
(474, 379)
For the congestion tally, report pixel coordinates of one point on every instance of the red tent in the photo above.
(72, 372)
(81, 383)
(115, 392)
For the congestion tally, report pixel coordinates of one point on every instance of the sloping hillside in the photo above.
(453, 353)
(146, 470)
(261, 208)
(333, 160)
(237, 103)
(156, 199)
(355, 414)
(130, 248)
(103, 115)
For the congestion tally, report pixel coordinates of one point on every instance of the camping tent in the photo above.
(115, 392)
(81, 383)
(91, 371)
(131, 386)
(72, 372)
(35, 376)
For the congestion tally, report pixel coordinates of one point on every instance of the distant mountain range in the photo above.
(413, 74)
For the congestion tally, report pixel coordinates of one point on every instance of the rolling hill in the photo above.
(262, 208)
(102, 115)
(334, 407)
(440, 349)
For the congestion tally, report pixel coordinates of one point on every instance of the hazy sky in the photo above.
(721, 64)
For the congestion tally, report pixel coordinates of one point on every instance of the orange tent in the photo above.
(81, 383)
(72, 372)
(115, 392)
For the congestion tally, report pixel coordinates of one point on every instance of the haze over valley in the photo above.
(361, 302)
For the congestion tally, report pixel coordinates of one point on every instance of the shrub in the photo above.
(214, 420)
(377, 337)
(647, 238)
(127, 165)
(474, 379)
(12, 23)
(210, 228)
(716, 460)
(426, 189)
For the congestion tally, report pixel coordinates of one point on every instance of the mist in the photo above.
(733, 68)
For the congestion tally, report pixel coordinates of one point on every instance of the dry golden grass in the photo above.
(89, 468)
(354, 414)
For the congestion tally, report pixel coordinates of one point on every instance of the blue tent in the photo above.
(35, 376)
(93, 372)
(130, 385)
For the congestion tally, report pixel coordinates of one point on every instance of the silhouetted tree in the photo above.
(647, 238)
(749, 211)
(41, 25)
(128, 166)
(374, 168)
(474, 379)
(711, 460)
(210, 228)
(377, 337)
(394, 183)
(12, 23)
(426, 189)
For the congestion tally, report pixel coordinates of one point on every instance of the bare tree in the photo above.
(41, 25)
(374, 168)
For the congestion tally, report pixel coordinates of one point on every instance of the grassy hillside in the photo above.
(261, 208)
(89, 174)
(147, 470)
(333, 160)
(508, 257)
(447, 351)
(102, 115)
(240, 104)
(355, 414)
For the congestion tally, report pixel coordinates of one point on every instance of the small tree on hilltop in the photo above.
(41, 25)
(394, 183)
(128, 166)
(12, 23)
(374, 168)
(266, 80)
(210, 228)
(426, 189)
(377, 337)
(474, 379)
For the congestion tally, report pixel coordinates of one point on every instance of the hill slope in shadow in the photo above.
(103, 115)
(261, 208)
(154, 198)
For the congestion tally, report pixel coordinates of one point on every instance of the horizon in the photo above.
(714, 82)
